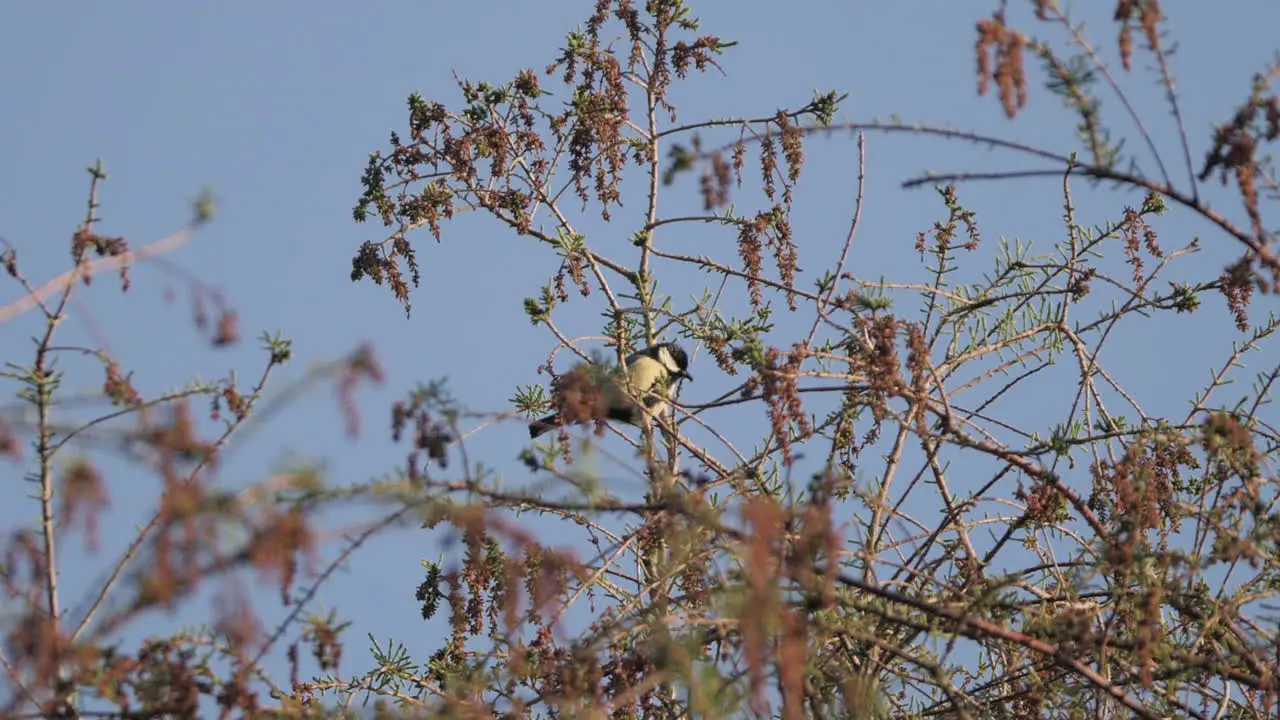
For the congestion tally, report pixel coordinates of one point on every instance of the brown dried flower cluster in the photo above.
(1004, 45)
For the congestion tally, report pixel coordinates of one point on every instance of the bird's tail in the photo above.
(544, 425)
(627, 414)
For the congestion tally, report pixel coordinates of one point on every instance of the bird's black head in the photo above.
(673, 358)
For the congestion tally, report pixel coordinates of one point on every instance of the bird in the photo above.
(589, 392)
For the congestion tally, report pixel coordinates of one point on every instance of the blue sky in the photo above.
(277, 106)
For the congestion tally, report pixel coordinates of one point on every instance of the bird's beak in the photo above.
(687, 376)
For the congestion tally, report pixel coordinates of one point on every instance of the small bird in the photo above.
(586, 394)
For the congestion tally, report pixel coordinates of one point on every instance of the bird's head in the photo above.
(674, 359)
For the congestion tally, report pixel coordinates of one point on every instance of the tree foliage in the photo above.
(902, 538)
(928, 496)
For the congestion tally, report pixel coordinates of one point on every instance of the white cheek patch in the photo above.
(664, 356)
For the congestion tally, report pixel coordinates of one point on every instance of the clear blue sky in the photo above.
(277, 106)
